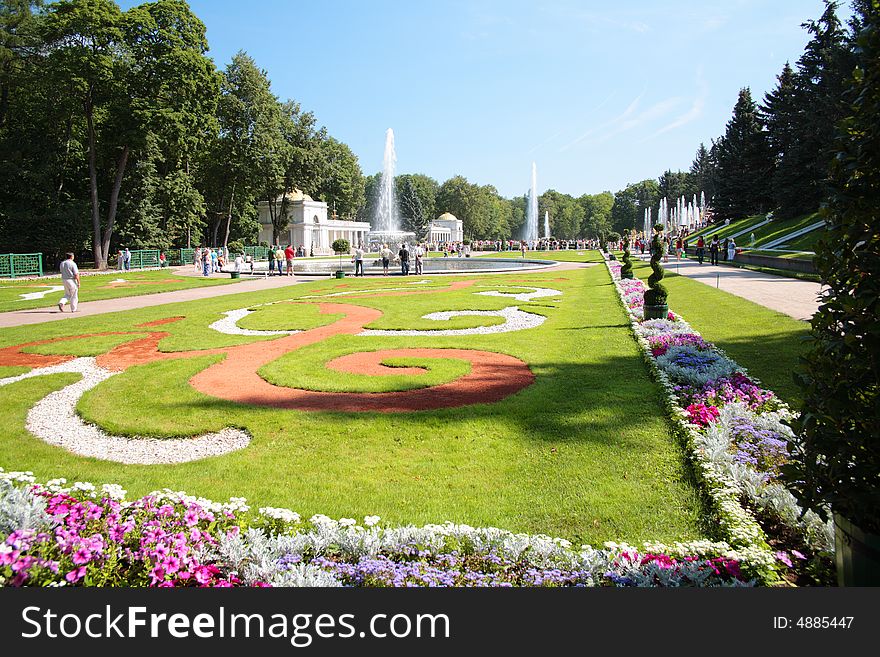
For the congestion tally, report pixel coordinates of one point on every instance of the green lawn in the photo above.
(584, 452)
(102, 286)
(767, 343)
(583, 255)
(764, 234)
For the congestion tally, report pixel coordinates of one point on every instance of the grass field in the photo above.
(102, 286)
(584, 452)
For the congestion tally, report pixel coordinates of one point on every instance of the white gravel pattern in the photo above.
(30, 296)
(229, 325)
(53, 419)
(514, 320)
(522, 296)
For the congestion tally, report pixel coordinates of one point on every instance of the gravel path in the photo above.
(514, 320)
(53, 420)
(229, 325)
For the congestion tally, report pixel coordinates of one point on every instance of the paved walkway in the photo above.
(87, 308)
(794, 297)
(249, 284)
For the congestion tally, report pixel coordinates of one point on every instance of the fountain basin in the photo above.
(373, 266)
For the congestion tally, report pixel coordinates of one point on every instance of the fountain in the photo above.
(386, 223)
(531, 227)
(546, 224)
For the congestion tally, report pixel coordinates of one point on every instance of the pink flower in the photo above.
(191, 517)
(783, 557)
(76, 574)
(81, 556)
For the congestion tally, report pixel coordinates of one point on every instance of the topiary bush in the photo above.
(657, 294)
(626, 270)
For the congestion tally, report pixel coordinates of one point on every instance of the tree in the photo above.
(597, 214)
(464, 200)
(702, 173)
(817, 89)
(247, 158)
(744, 163)
(134, 73)
(836, 455)
(630, 203)
(672, 186)
(413, 214)
(424, 187)
(342, 184)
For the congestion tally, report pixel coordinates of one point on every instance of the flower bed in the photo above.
(736, 435)
(54, 535)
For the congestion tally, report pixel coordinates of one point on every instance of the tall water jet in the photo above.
(531, 229)
(386, 210)
(546, 223)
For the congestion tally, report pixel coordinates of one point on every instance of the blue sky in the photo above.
(599, 94)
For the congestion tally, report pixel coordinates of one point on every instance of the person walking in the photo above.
(725, 248)
(270, 255)
(731, 250)
(206, 261)
(359, 261)
(126, 256)
(403, 254)
(679, 245)
(70, 280)
(214, 267)
(197, 260)
(701, 249)
(714, 246)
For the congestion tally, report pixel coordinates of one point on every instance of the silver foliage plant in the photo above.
(20, 509)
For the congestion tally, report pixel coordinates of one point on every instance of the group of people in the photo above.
(209, 261)
(726, 249)
(404, 257)
(123, 259)
(280, 257)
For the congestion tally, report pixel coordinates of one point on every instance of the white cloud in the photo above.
(695, 112)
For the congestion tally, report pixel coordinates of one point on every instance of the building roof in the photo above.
(447, 216)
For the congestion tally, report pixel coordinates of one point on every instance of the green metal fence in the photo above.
(13, 265)
(142, 258)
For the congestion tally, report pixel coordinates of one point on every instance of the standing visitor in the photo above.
(666, 249)
(197, 260)
(279, 260)
(701, 249)
(239, 263)
(70, 280)
(120, 260)
(420, 252)
(214, 267)
(206, 261)
(126, 256)
(270, 255)
(288, 256)
(385, 254)
(678, 248)
(403, 254)
(163, 262)
(731, 250)
(725, 249)
(522, 248)
(358, 260)
(249, 261)
(714, 246)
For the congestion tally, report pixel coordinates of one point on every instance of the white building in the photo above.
(309, 226)
(445, 228)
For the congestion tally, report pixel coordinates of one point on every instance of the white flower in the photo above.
(371, 521)
(347, 522)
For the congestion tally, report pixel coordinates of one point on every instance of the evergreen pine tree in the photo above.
(744, 162)
(703, 172)
(817, 104)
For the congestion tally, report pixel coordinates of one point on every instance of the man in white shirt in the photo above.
(359, 261)
(70, 280)
(419, 253)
